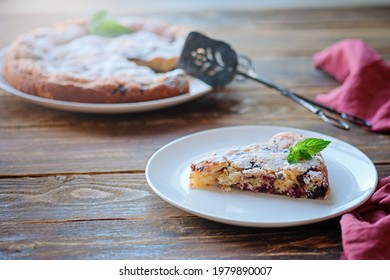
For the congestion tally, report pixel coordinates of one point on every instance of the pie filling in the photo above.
(271, 185)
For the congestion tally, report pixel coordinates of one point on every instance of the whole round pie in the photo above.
(67, 62)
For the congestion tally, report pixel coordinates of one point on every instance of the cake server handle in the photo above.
(345, 116)
(288, 93)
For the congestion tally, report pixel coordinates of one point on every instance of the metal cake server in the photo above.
(217, 64)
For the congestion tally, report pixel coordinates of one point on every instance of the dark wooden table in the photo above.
(72, 185)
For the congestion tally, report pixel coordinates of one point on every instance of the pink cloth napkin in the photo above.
(365, 78)
(366, 230)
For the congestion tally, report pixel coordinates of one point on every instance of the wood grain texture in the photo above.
(72, 185)
(180, 237)
(68, 142)
(364, 22)
(118, 216)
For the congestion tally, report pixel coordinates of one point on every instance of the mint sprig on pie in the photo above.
(306, 149)
(102, 24)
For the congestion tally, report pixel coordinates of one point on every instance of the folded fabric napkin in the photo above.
(365, 78)
(366, 230)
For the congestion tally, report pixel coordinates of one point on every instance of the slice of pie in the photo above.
(67, 62)
(264, 168)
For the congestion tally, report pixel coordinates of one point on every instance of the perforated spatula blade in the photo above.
(211, 61)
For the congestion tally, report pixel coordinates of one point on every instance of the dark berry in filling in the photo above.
(317, 192)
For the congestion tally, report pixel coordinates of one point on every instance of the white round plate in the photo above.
(197, 89)
(352, 177)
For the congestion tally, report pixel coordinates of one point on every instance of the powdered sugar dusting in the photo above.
(71, 51)
(269, 156)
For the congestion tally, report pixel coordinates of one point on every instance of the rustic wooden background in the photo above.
(72, 185)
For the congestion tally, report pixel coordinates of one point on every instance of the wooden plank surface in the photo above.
(269, 30)
(181, 237)
(48, 218)
(72, 185)
(125, 219)
(80, 143)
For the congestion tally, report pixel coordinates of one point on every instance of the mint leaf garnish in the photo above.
(306, 149)
(101, 24)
